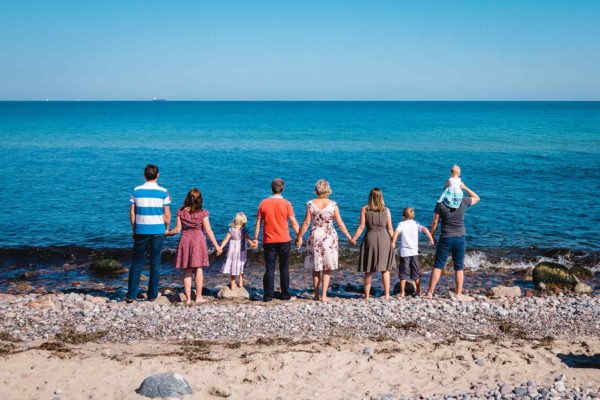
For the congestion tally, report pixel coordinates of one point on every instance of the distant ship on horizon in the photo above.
(157, 99)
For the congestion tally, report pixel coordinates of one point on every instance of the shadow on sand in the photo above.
(580, 360)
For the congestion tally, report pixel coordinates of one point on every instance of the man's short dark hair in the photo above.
(277, 185)
(151, 172)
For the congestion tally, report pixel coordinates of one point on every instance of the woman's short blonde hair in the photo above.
(239, 221)
(322, 188)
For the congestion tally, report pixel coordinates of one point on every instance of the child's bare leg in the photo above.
(241, 280)
(435, 278)
(233, 285)
(316, 283)
(386, 284)
(402, 286)
(367, 285)
(199, 282)
(326, 277)
(417, 287)
(460, 277)
(187, 284)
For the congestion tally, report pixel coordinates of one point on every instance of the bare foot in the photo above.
(429, 296)
(324, 299)
(201, 300)
(316, 297)
(388, 297)
(401, 295)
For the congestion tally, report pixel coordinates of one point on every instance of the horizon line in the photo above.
(164, 100)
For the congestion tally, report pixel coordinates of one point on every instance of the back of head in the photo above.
(408, 213)
(239, 221)
(277, 186)
(455, 170)
(151, 172)
(193, 201)
(376, 202)
(322, 188)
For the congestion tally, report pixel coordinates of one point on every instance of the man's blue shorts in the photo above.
(450, 245)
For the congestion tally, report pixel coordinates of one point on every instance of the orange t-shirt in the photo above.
(275, 212)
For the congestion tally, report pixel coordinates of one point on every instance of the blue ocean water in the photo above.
(68, 167)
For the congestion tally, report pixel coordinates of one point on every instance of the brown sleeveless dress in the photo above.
(376, 252)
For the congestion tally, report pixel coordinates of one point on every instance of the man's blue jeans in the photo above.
(142, 245)
(456, 246)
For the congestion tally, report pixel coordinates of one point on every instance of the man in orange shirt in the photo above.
(274, 212)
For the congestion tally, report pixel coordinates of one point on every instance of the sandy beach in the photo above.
(83, 347)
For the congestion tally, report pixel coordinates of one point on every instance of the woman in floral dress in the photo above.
(322, 246)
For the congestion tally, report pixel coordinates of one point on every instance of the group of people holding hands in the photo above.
(150, 219)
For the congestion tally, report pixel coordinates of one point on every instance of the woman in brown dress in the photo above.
(376, 251)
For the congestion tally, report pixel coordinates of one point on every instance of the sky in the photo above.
(300, 50)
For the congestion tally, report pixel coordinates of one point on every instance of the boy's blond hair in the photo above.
(408, 213)
(455, 170)
(239, 221)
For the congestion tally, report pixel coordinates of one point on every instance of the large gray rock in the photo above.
(582, 288)
(505, 291)
(164, 385)
(554, 275)
(225, 292)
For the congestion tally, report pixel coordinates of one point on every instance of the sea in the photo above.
(68, 169)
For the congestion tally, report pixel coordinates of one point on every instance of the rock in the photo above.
(106, 266)
(45, 302)
(582, 273)
(368, 351)
(520, 390)
(164, 385)
(480, 361)
(389, 396)
(506, 389)
(541, 286)
(582, 288)
(220, 391)
(238, 293)
(162, 301)
(505, 291)
(463, 298)
(554, 274)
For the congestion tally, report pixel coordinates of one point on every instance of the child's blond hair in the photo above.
(239, 221)
(408, 213)
(455, 170)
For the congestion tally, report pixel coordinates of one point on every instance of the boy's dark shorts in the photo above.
(410, 268)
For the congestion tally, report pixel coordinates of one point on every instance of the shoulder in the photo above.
(204, 213)
(467, 201)
(162, 189)
(438, 208)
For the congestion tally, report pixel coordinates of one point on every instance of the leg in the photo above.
(283, 252)
(458, 257)
(385, 277)
(415, 274)
(402, 286)
(156, 245)
(417, 287)
(232, 283)
(199, 283)
(326, 276)
(137, 263)
(241, 280)
(367, 285)
(269, 278)
(441, 257)
(187, 284)
(316, 284)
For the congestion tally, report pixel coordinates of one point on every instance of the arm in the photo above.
(395, 237)
(429, 236)
(257, 230)
(132, 218)
(294, 223)
(226, 240)
(434, 223)
(474, 197)
(340, 223)
(175, 230)
(361, 226)
(303, 228)
(248, 240)
(390, 228)
(211, 236)
(167, 217)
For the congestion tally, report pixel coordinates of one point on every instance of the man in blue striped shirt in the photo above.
(150, 218)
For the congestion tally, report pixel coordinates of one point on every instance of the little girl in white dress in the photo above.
(236, 254)
(453, 194)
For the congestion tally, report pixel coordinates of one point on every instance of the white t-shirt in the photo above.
(409, 237)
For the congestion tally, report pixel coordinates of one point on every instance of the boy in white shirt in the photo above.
(409, 231)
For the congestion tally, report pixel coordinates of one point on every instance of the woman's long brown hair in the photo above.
(376, 202)
(193, 201)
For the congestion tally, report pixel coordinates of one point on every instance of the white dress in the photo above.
(322, 246)
(236, 254)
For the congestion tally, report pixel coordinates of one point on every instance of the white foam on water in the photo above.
(478, 260)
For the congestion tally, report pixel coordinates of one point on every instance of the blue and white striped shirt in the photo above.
(149, 200)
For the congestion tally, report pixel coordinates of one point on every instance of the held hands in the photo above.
(254, 244)
(298, 242)
(219, 250)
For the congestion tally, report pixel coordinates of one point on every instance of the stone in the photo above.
(388, 396)
(506, 389)
(164, 385)
(480, 361)
(162, 301)
(106, 266)
(520, 390)
(225, 292)
(582, 288)
(45, 302)
(220, 391)
(498, 292)
(554, 274)
(368, 351)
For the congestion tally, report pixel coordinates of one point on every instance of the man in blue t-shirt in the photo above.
(150, 218)
(452, 239)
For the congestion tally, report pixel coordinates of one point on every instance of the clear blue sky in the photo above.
(269, 50)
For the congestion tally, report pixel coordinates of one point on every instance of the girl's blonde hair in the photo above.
(322, 188)
(376, 202)
(239, 221)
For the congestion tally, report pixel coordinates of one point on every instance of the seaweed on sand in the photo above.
(406, 326)
(72, 337)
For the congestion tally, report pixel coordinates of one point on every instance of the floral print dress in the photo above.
(322, 246)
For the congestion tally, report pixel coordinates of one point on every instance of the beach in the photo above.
(73, 346)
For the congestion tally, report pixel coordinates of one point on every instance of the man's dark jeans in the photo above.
(142, 245)
(272, 252)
